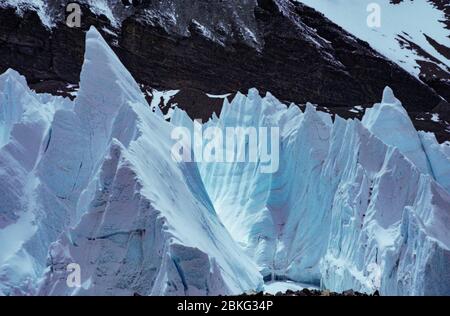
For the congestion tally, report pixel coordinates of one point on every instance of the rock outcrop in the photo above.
(274, 45)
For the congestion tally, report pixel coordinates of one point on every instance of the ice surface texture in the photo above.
(105, 194)
(354, 205)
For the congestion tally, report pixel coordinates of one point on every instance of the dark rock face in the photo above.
(296, 54)
(48, 59)
(291, 65)
(308, 292)
(432, 70)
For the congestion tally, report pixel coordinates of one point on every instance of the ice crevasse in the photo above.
(354, 205)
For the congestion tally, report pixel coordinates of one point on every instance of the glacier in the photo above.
(102, 192)
(362, 205)
(355, 205)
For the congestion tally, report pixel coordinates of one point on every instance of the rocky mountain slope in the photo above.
(414, 34)
(216, 47)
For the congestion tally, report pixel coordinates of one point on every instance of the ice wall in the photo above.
(354, 205)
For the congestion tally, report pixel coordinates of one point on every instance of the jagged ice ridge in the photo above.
(361, 205)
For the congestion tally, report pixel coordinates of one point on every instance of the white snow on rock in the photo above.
(40, 6)
(160, 101)
(217, 21)
(435, 117)
(410, 20)
(51, 12)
